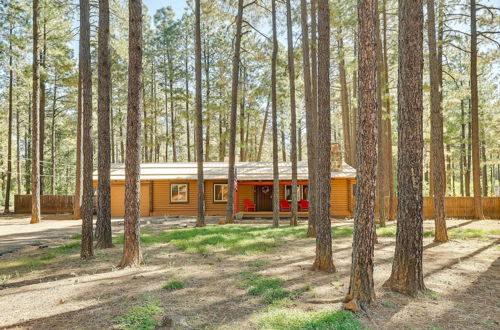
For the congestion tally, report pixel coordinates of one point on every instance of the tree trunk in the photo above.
(263, 132)
(53, 140)
(361, 288)
(293, 114)
(463, 157)
(381, 178)
(132, 255)
(232, 121)
(407, 274)
(186, 91)
(476, 170)
(103, 225)
(274, 118)
(310, 117)
(389, 189)
(206, 53)
(18, 151)
(468, 159)
(9, 138)
(78, 170)
(35, 130)
(42, 101)
(485, 169)
(324, 259)
(87, 209)
(344, 101)
(437, 144)
(200, 219)
(242, 114)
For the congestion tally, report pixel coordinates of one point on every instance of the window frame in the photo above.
(215, 201)
(172, 185)
(300, 191)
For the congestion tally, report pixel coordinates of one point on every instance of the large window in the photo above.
(302, 192)
(220, 192)
(179, 193)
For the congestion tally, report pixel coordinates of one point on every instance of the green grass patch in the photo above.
(389, 304)
(258, 263)
(433, 294)
(387, 231)
(269, 288)
(292, 319)
(141, 317)
(76, 236)
(231, 239)
(174, 285)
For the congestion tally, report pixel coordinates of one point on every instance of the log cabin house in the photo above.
(170, 189)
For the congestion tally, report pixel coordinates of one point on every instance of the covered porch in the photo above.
(254, 199)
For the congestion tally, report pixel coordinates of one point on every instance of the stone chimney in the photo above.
(335, 158)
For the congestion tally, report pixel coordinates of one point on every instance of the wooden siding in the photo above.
(340, 198)
(118, 199)
(162, 204)
(211, 207)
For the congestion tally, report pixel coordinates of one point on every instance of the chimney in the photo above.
(335, 158)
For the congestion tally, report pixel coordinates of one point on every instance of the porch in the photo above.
(269, 214)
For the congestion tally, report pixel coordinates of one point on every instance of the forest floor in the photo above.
(243, 276)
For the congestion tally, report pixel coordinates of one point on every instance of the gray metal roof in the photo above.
(245, 171)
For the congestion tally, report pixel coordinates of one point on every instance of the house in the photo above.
(171, 189)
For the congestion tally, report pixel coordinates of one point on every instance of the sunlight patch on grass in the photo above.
(141, 317)
(293, 319)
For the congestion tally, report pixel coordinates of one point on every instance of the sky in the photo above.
(177, 5)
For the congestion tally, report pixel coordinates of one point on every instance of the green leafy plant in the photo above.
(142, 317)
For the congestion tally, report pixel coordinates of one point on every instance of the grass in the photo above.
(269, 288)
(292, 319)
(142, 317)
(231, 239)
(454, 233)
(174, 285)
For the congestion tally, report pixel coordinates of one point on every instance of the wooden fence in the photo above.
(458, 207)
(50, 204)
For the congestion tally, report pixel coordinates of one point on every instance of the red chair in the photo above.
(304, 205)
(285, 206)
(249, 206)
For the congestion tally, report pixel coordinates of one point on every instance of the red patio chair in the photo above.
(249, 206)
(304, 205)
(285, 206)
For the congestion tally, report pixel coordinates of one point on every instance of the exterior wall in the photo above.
(162, 205)
(211, 207)
(341, 198)
(118, 199)
(245, 192)
(155, 198)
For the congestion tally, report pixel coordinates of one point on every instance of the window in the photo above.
(179, 193)
(220, 192)
(302, 192)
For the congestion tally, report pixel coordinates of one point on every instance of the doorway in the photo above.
(264, 198)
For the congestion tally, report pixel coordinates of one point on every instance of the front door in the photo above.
(264, 198)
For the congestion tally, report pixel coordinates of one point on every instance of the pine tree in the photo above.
(407, 274)
(361, 288)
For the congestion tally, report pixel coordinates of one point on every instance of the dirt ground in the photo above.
(463, 274)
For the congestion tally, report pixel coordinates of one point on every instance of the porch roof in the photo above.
(245, 171)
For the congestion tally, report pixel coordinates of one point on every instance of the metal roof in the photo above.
(245, 171)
